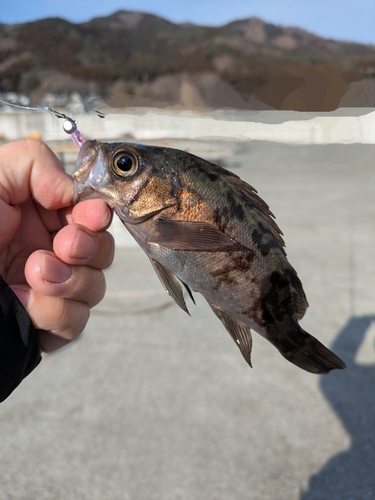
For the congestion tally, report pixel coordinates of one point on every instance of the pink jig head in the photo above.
(70, 127)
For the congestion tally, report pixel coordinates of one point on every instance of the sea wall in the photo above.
(343, 126)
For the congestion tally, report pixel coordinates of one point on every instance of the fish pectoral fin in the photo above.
(240, 333)
(171, 284)
(187, 235)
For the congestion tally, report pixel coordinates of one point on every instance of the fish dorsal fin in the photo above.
(240, 333)
(187, 235)
(241, 211)
(171, 284)
(260, 210)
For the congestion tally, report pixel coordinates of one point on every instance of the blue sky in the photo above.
(338, 19)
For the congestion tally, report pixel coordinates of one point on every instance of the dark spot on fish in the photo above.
(240, 214)
(278, 280)
(274, 278)
(234, 208)
(256, 236)
(263, 229)
(262, 239)
(243, 259)
(199, 168)
(255, 310)
(212, 176)
(237, 263)
(278, 300)
(267, 316)
(266, 248)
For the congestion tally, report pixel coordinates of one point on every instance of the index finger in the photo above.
(95, 214)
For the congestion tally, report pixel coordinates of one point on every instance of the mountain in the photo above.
(136, 57)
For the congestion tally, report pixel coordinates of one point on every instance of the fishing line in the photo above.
(20, 106)
(53, 112)
(69, 126)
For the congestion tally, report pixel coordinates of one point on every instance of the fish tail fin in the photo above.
(305, 351)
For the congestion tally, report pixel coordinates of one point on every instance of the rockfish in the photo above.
(205, 229)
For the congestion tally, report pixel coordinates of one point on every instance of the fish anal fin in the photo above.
(240, 333)
(171, 284)
(188, 235)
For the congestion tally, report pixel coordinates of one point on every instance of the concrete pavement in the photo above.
(151, 404)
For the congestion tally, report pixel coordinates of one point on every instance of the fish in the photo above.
(206, 231)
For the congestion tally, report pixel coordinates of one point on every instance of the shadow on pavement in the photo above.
(350, 474)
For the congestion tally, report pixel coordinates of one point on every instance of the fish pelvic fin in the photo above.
(190, 293)
(240, 333)
(305, 351)
(171, 284)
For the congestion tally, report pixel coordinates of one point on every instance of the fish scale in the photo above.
(204, 228)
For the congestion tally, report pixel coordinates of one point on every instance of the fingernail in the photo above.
(53, 270)
(23, 294)
(84, 245)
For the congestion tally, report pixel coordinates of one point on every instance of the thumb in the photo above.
(28, 168)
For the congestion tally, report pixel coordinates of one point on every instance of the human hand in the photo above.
(51, 254)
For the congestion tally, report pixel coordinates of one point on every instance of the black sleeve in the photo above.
(19, 346)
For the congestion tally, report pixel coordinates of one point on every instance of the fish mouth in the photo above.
(90, 172)
(82, 193)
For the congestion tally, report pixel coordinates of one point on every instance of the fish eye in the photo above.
(125, 163)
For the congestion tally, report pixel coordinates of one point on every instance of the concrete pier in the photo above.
(151, 404)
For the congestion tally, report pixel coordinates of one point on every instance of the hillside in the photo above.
(132, 58)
